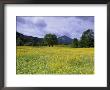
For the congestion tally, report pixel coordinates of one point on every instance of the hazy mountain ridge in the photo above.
(64, 40)
(30, 39)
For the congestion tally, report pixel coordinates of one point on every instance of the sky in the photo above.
(38, 26)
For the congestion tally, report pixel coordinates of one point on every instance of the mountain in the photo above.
(27, 40)
(64, 40)
(35, 41)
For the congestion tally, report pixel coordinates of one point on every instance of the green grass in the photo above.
(54, 60)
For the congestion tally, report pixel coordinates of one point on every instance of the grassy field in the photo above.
(54, 60)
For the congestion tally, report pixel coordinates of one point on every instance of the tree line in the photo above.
(86, 40)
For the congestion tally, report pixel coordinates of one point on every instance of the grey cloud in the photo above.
(40, 24)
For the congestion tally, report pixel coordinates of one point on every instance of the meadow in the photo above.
(54, 60)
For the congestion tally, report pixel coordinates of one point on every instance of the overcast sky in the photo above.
(71, 26)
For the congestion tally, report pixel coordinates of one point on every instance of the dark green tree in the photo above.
(19, 42)
(75, 43)
(87, 39)
(50, 39)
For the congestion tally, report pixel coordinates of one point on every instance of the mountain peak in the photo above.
(64, 40)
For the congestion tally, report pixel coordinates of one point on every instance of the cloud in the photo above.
(20, 20)
(40, 24)
(87, 18)
(71, 26)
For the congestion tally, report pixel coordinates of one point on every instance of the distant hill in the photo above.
(27, 40)
(64, 40)
(35, 41)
